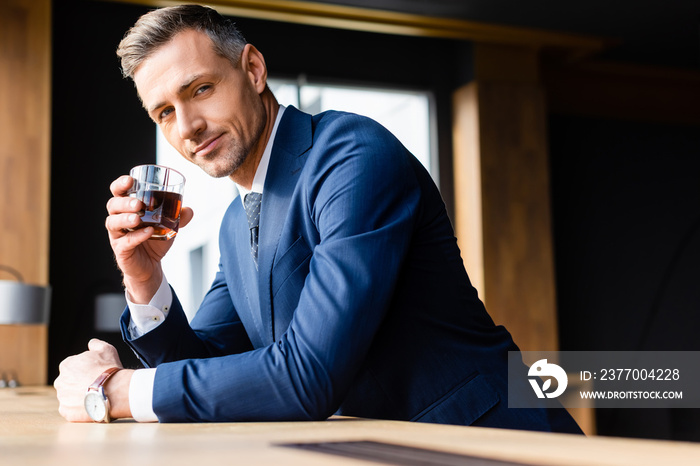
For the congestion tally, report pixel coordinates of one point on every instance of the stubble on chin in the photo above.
(225, 164)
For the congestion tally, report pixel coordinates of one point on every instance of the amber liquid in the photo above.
(162, 213)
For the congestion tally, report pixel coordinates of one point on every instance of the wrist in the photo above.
(141, 291)
(117, 391)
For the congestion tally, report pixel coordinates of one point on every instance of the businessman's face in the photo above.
(208, 109)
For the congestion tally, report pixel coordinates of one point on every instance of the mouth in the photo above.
(206, 147)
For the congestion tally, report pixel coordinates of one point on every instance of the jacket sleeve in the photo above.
(221, 333)
(360, 193)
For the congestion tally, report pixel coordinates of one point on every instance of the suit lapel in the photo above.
(293, 139)
(248, 278)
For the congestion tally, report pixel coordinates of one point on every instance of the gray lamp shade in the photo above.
(21, 303)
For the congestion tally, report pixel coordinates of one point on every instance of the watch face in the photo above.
(95, 406)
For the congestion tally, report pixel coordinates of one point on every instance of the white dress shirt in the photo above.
(146, 317)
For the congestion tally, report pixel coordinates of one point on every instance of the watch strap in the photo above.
(103, 378)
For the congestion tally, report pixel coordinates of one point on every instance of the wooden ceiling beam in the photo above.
(389, 22)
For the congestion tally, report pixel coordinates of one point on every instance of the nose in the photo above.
(189, 123)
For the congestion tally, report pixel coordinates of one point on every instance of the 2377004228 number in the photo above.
(639, 374)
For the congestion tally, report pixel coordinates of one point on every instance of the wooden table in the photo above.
(32, 433)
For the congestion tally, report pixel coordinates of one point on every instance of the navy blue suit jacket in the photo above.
(361, 305)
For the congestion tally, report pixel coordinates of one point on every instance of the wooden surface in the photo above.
(32, 433)
(24, 353)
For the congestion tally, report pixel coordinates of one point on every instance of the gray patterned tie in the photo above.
(252, 208)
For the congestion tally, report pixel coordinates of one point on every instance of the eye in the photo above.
(165, 112)
(202, 89)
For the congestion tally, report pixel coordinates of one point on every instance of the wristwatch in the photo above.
(96, 402)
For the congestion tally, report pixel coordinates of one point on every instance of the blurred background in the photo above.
(563, 136)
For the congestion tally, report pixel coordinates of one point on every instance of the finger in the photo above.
(67, 363)
(123, 244)
(108, 353)
(186, 216)
(101, 346)
(98, 345)
(121, 185)
(58, 383)
(133, 239)
(62, 385)
(118, 223)
(62, 364)
(117, 205)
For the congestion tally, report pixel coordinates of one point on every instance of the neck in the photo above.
(245, 175)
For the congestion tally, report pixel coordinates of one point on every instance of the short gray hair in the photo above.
(158, 27)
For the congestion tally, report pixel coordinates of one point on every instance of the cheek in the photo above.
(172, 136)
(170, 130)
(222, 113)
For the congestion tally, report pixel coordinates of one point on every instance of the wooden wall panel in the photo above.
(502, 204)
(25, 112)
(517, 238)
(374, 19)
(24, 353)
(502, 197)
(467, 183)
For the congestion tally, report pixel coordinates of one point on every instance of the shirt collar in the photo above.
(261, 171)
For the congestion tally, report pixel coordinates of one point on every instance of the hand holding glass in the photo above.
(160, 189)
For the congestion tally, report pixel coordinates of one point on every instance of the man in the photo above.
(348, 295)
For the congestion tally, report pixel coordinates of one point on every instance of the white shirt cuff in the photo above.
(146, 317)
(141, 395)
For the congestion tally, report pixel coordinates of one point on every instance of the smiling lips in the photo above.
(206, 147)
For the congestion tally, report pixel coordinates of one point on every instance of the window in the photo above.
(191, 263)
(406, 114)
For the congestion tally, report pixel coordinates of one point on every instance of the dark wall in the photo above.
(626, 210)
(100, 131)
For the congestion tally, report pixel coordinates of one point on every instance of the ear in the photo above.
(253, 64)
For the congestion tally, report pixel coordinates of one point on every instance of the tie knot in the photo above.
(252, 208)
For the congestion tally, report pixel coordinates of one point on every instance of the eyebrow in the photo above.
(183, 87)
